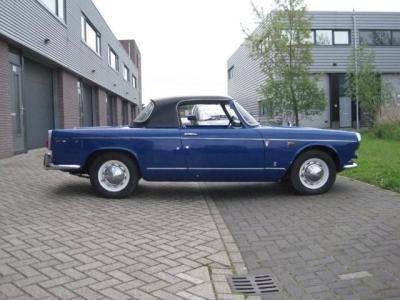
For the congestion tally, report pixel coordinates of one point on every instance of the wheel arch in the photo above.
(324, 148)
(92, 156)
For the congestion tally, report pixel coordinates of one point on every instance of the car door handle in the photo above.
(190, 134)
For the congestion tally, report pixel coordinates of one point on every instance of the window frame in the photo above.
(56, 13)
(84, 23)
(221, 104)
(316, 41)
(126, 72)
(397, 31)
(134, 81)
(111, 50)
(314, 37)
(348, 37)
(262, 108)
(391, 44)
(230, 72)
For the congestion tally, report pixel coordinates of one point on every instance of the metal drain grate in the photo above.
(254, 285)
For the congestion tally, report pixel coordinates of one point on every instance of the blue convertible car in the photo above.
(201, 139)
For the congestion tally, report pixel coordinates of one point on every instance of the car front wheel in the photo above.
(313, 172)
(114, 175)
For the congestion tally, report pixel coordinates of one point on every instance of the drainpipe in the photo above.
(356, 67)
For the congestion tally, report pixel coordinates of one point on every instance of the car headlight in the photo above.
(358, 135)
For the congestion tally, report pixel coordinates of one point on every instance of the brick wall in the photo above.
(102, 111)
(6, 138)
(68, 100)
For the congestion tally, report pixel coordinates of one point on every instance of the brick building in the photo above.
(61, 67)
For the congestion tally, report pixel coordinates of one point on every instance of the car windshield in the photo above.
(145, 113)
(248, 118)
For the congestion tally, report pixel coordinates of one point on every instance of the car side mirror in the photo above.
(236, 123)
(192, 118)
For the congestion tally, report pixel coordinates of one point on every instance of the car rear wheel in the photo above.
(313, 172)
(114, 175)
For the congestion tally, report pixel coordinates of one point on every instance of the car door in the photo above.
(217, 151)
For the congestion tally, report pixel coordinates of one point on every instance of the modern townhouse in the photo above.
(61, 67)
(334, 34)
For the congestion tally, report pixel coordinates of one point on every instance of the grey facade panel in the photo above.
(247, 79)
(387, 58)
(29, 23)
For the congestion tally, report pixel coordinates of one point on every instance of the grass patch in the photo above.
(379, 162)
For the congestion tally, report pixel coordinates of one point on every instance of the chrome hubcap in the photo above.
(113, 175)
(314, 173)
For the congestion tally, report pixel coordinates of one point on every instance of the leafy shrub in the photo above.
(386, 131)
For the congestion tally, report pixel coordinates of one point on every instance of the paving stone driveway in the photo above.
(58, 240)
(307, 242)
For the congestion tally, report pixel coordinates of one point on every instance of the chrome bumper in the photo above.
(351, 166)
(48, 164)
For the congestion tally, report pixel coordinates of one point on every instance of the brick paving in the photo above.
(308, 242)
(58, 240)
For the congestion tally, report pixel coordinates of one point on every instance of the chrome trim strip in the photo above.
(162, 137)
(351, 166)
(166, 168)
(217, 138)
(48, 165)
(233, 169)
(206, 138)
(52, 166)
(306, 140)
(190, 133)
(126, 137)
(226, 169)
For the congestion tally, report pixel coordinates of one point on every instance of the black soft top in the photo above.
(165, 114)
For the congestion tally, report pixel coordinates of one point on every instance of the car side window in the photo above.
(207, 114)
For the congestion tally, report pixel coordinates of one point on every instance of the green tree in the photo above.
(283, 44)
(365, 84)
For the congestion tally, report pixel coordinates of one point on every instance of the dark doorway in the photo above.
(125, 113)
(340, 104)
(17, 113)
(133, 111)
(86, 105)
(111, 110)
(38, 100)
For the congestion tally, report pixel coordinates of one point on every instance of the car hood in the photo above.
(306, 133)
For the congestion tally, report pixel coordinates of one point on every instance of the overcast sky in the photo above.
(185, 43)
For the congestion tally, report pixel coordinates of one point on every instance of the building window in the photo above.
(380, 37)
(134, 81)
(262, 108)
(57, 7)
(126, 73)
(323, 37)
(396, 38)
(113, 59)
(341, 37)
(230, 72)
(328, 37)
(90, 35)
(311, 38)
